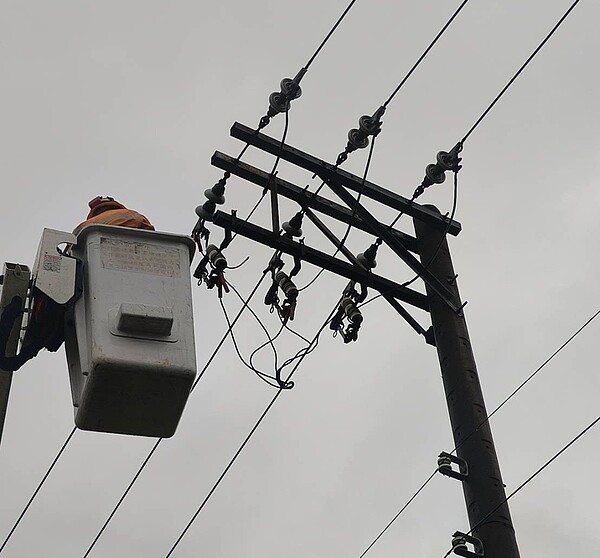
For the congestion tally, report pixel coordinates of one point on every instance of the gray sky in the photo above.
(131, 98)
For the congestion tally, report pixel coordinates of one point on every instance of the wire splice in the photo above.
(358, 138)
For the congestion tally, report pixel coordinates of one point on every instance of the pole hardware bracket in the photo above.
(445, 461)
(467, 545)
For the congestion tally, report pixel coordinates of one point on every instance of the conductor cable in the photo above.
(248, 437)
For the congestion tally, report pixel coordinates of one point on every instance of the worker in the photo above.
(108, 211)
(45, 329)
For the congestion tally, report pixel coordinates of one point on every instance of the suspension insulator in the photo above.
(351, 311)
(435, 174)
(286, 285)
(356, 140)
(291, 88)
(450, 161)
(216, 258)
(293, 226)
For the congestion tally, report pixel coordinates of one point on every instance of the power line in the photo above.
(251, 433)
(328, 36)
(510, 82)
(425, 53)
(514, 392)
(531, 477)
(39, 487)
(158, 442)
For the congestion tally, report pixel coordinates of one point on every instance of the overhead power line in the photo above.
(250, 434)
(518, 73)
(530, 478)
(158, 442)
(39, 487)
(512, 394)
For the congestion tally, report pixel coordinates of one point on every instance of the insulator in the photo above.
(293, 226)
(206, 210)
(435, 174)
(216, 257)
(357, 139)
(444, 463)
(351, 311)
(279, 102)
(286, 285)
(367, 258)
(290, 88)
(458, 543)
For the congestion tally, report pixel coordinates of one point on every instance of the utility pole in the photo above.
(485, 497)
(492, 534)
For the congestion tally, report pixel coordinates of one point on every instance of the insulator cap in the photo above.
(213, 196)
(206, 210)
(293, 227)
(357, 139)
(278, 102)
(290, 88)
(435, 174)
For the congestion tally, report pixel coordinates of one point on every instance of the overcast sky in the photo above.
(131, 98)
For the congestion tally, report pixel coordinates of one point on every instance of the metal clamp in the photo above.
(467, 545)
(445, 461)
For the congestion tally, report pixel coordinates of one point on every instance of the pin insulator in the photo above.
(206, 210)
(214, 197)
(367, 258)
(293, 227)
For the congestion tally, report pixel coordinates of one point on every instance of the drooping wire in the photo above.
(512, 394)
(38, 488)
(349, 227)
(270, 340)
(158, 442)
(249, 436)
(532, 476)
(523, 66)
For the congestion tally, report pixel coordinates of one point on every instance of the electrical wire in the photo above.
(530, 377)
(39, 487)
(399, 513)
(329, 34)
(158, 442)
(349, 227)
(425, 53)
(523, 66)
(512, 394)
(532, 476)
(247, 439)
(262, 375)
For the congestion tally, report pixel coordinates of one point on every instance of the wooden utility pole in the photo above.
(485, 497)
